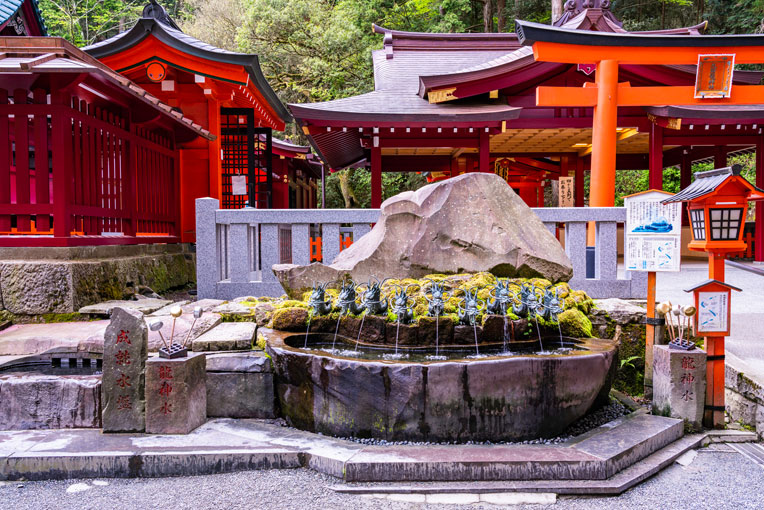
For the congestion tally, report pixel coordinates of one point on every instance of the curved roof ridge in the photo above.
(188, 44)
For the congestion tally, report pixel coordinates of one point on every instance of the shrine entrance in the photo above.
(247, 160)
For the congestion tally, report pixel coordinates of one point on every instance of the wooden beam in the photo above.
(561, 97)
(575, 54)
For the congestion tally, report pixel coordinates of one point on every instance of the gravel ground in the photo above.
(717, 479)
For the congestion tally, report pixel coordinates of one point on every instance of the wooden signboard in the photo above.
(713, 79)
(566, 187)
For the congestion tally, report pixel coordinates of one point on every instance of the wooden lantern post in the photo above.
(717, 203)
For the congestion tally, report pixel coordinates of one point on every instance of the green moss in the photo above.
(260, 342)
(574, 323)
(290, 319)
(291, 303)
(235, 317)
(54, 318)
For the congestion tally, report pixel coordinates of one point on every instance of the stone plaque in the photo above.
(124, 360)
(679, 383)
(176, 394)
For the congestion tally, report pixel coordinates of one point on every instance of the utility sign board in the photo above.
(238, 184)
(565, 197)
(653, 232)
(713, 312)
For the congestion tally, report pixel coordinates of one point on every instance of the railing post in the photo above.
(606, 254)
(575, 246)
(301, 244)
(331, 242)
(239, 251)
(360, 230)
(207, 263)
(269, 250)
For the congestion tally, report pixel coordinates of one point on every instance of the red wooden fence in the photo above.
(75, 174)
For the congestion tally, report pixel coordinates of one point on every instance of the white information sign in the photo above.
(566, 192)
(653, 237)
(712, 311)
(239, 184)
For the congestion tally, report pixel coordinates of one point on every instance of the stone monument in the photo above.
(176, 394)
(124, 360)
(679, 383)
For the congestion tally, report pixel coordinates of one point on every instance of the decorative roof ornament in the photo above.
(573, 9)
(156, 11)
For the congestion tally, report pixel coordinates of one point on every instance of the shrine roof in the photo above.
(709, 282)
(707, 182)
(10, 7)
(732, 112)
(41, 55)
(180, 41)
(401, 106)
(529, 33)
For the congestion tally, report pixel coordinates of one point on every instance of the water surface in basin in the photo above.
(324, 344)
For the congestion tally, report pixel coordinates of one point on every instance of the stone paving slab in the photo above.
(227, 336)
(245, 361)
(226, 445)
(183, 325)
(144, 306)
(67, 337)
(165, 310)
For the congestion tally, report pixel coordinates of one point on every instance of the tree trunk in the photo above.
(487, 16)
(501, 17)
(556, 10)
(347, 191)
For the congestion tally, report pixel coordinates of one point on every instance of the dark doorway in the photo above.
(246, 152)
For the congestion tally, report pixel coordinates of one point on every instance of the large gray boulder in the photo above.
(470, 223)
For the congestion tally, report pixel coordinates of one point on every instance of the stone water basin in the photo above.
(493, 398)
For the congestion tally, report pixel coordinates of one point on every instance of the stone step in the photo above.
(66, 337)
(613, 486)
(226, 336)
(597, 455)
(144, 306)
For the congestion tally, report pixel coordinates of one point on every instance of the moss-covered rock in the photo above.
(290, 319)
(263, 313)
(575, 324)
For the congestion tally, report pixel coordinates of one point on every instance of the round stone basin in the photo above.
(497, 397)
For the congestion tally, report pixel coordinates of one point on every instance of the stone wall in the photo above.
(744, 397)
(36, 281)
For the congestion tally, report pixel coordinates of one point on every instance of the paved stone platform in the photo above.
(69, 337)
(225, 445)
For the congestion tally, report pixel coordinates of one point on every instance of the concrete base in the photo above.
(595, 458)
(62, 280)
(240, 385)
(176, 394)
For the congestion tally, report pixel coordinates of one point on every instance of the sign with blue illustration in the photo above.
(653, 232)
(713, 311)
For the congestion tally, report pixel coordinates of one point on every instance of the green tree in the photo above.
(84, 22)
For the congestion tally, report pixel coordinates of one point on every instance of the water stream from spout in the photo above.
(337, 328)
(538, 330)
(397, 330)
(363, 318)
(506, 332)
(437, 335)
(474, 328)
(307, 331)
(559, 328)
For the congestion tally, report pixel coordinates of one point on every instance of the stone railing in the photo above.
(237, 247)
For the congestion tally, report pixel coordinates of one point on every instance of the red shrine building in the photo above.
(226, 93)
(19, 18)
(453, 103)
(157, 119)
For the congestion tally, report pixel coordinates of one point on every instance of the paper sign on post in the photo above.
(653, 235)
(238, 184)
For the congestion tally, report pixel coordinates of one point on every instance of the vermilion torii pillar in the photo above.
(607, 51)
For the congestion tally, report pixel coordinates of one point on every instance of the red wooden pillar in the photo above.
(579, 182)
(656, 157)
(720, 157)
(685, 178)
(62, 165)
(376, 177)
(484, 145)
(758, 242)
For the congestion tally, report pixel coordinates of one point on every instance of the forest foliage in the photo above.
(318, 50)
